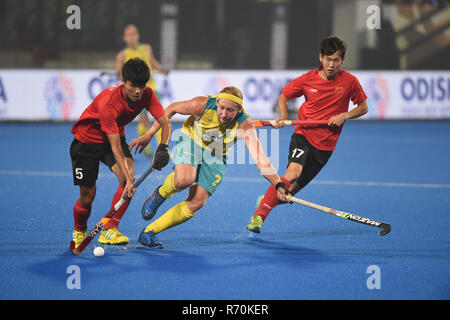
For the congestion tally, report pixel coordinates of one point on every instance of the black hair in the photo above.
(331, 44)
(137, 71)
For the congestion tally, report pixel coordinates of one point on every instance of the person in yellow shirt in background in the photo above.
(135, 49)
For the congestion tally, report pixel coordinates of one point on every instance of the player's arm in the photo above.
(108, 121)
(356, 112)
(120, 60)
(116, 147)
(190, 107)
(283, 105)
(248, 132)
(162, 155)
(155, 63)
(294, 89)
(166, 128)
(193, 107)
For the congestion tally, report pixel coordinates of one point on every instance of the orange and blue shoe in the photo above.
(152, 204)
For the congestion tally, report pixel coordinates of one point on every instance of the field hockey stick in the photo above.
(386, 227)
(99, 226)
(266, 123)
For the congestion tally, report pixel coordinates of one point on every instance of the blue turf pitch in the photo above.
(391, 171)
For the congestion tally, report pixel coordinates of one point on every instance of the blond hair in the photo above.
(234, 91)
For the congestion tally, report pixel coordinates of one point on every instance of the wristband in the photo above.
(163, 147)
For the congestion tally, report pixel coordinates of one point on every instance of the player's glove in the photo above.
(162, 157)
(283, 186)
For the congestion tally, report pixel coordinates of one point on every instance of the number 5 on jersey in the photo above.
(79, 173)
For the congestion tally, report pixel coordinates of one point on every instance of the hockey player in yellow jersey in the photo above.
(215, 123)
(135, 49)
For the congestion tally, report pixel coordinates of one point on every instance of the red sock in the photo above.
(114, 222)
(80, 216)
(269, 201)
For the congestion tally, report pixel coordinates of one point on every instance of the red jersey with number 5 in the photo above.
(323, 100)
(110, 112)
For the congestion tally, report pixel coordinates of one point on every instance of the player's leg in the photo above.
(313, 160)
(183, 176)
(265, 203)
(158, 133)
(298, 152)
(83, 207)
(85, 173)
(176, 215)
(292, 173)
(207, 177)
(81, 212)
(111, 234)
(181, 212)
(207, 180)
(314, 163)
(122, 182)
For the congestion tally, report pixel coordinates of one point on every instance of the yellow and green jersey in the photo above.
(142, 53)
(208, 132)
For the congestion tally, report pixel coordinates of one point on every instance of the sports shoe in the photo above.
(78, 237)
(255, 224)
(112, 236)
(152, 204)
(149, 239)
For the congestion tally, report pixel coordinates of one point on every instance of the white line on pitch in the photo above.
(248, 180)
(354, 183)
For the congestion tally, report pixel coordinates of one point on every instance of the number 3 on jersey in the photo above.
(297, 153)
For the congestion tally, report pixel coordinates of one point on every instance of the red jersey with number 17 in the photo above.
(110, 112)
(323, 100)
